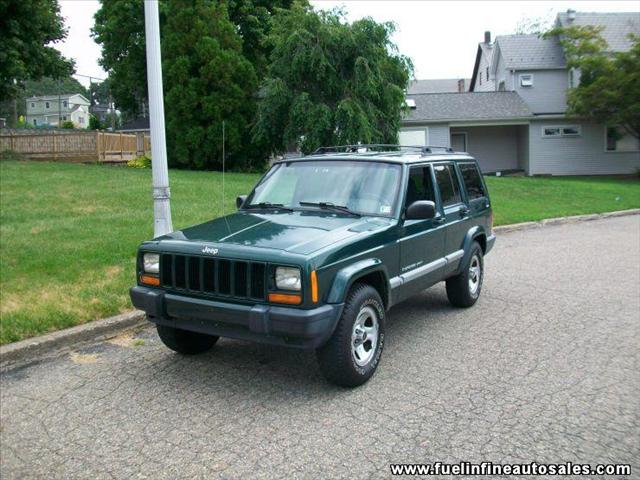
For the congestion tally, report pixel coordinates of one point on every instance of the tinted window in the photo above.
(420, 186)
(447, 179)
(472, 180)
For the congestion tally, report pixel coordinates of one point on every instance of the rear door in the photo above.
(454, 210)
(477, 196)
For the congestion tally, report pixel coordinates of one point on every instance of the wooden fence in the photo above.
(92, 146)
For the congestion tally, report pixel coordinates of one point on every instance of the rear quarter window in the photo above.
(472, 180)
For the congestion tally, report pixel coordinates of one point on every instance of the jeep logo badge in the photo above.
(210, 251)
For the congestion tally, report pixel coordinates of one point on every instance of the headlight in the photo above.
(288, 278)
(151, 262)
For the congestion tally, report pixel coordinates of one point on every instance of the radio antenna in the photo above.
(223, 197)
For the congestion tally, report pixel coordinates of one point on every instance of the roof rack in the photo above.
(380, 147)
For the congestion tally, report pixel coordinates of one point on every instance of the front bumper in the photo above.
(260, 323)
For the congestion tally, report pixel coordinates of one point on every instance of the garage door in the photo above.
(413, 137)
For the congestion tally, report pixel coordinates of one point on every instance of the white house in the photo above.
(54, 110)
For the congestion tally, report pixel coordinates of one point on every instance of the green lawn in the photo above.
(68, 233)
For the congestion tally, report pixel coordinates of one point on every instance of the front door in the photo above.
(421, 241)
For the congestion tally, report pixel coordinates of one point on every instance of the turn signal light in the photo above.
(314, 287)
(282, 298)
(149, 280)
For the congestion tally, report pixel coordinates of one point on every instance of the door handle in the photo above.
(439, 220)
(464, 211)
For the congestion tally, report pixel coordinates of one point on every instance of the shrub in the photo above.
(142, 161)
(68, 124)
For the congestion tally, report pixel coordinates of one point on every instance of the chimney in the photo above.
(461, 88)
(571, 15)
(487, 37)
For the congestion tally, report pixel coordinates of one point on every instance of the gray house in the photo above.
(513, 118)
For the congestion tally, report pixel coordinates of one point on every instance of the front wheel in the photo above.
(184, 341)
(463, 290)
(352, 354)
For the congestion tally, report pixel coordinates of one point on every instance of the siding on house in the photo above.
(495, 147)
(548, 93)
(439, 135)
(502, 75)
(583, 155)
(485, 62)
(523, 148)
(436, 133)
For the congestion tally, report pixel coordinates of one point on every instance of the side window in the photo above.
(420, 186)
(447, 179)
(472, 181)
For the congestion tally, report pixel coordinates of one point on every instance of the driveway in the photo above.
(544, 368)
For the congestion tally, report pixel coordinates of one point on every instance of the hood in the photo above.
(295, 232)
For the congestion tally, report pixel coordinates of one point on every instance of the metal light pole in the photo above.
(160, 172)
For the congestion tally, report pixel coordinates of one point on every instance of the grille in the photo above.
(213, 276)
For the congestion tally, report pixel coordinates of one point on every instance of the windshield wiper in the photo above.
(331, 206)
(268, 206)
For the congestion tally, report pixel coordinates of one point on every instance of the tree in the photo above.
(27, 27)
(207, 80)
(331, 82)
(609, 87)
(119, 29)
(254, 19)
(94, 123)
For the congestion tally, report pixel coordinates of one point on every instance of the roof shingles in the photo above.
(435, 107)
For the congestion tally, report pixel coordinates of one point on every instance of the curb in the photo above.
(39, 348)
(516, 227)
(35, 349)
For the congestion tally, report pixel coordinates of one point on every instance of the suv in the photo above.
(319, 251)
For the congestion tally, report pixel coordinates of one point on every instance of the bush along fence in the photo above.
(75, 146)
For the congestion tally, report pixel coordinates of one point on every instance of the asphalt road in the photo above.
(544, 368)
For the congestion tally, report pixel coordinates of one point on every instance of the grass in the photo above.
(69, 233)
(524, 199)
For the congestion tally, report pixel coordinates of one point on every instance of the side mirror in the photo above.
(421, 210)
(240, 200)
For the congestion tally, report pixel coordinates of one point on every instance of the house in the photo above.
(53, 110)
(443, 85)
(514, 116)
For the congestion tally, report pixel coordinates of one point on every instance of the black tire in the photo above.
(338, 362)
(185, 342)
(461, 291)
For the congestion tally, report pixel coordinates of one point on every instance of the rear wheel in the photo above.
(463, 290)
(185, 342)
(352, 354)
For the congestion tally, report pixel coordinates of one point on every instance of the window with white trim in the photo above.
(526, 80)
(618, 140)
(551, 131)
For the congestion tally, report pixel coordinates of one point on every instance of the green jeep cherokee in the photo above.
(319, 251)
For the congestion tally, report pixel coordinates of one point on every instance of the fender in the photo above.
(349, 274)
(471, 235)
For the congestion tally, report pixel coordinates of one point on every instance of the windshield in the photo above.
(367, 188)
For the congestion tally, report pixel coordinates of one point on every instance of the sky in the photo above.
(441, 38)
